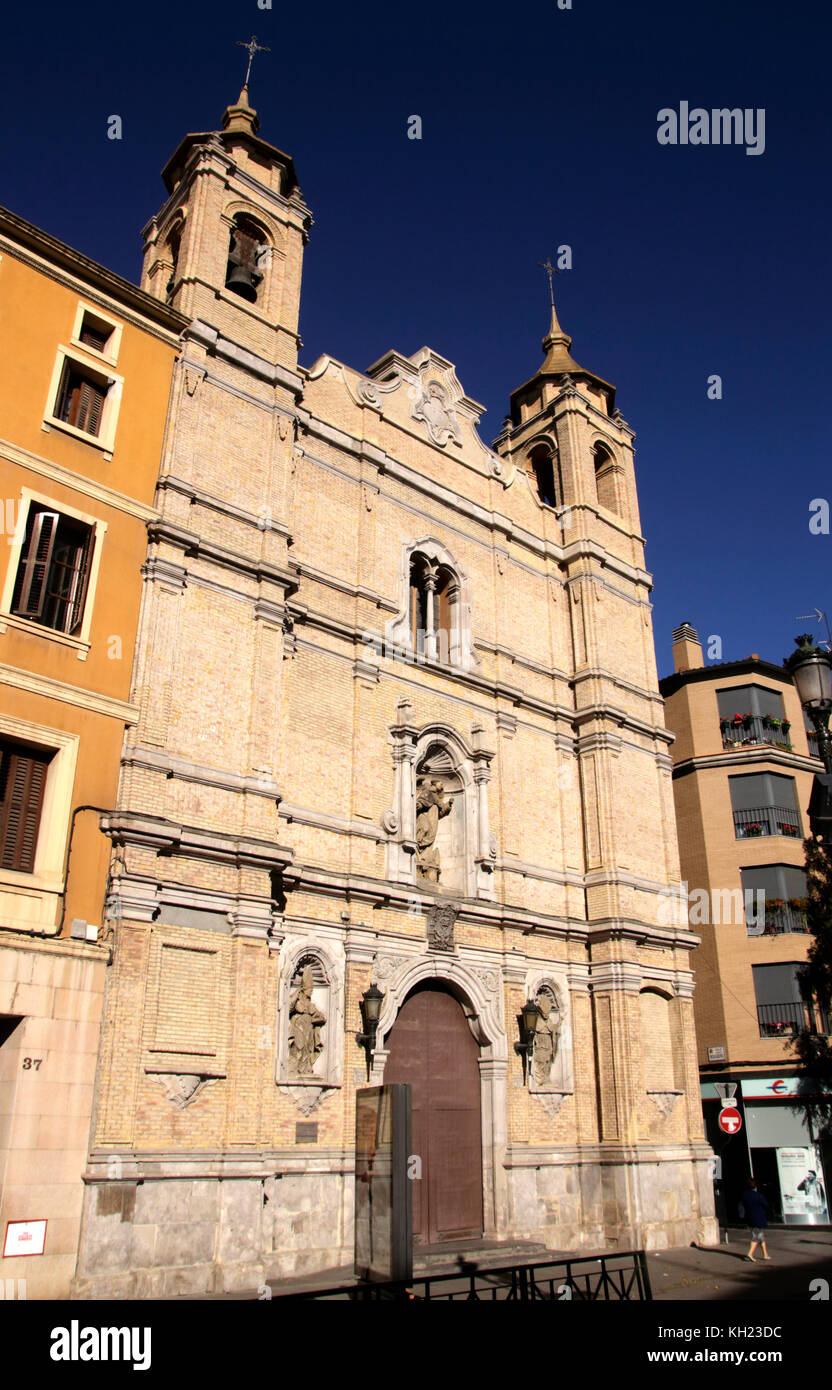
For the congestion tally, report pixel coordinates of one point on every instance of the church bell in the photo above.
(243, 282)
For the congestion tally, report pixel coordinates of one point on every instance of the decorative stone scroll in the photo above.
(432, 405)
(181, 1087)
(665, 1101)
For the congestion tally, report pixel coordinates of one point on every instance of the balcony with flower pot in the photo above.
(746, 730)
(767, 820)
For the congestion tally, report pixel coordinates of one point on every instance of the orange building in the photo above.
(743, 766)
(85, 370)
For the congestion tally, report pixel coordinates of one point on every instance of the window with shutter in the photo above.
(93, 336)
(53, 574)
(22, 783)
(80, 400)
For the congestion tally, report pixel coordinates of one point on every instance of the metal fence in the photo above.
(621, 1277)
(767, 820)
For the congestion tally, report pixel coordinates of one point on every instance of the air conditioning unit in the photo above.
(82, 930)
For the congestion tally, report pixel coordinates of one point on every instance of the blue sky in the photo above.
(539, 129)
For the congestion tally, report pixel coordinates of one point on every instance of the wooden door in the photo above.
(432, 1048)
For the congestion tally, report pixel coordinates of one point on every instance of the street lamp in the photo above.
(370, 1005)
(527, 1019)
(810, 668)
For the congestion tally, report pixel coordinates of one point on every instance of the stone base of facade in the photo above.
(160, 1236)
(645, 1199)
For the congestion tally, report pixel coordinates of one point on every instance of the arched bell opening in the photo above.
(246, 257)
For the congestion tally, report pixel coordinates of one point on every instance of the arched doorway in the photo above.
(432, 1048)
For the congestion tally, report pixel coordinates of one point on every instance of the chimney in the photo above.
(687, 649)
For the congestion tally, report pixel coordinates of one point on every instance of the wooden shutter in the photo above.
(34, 570)
(81, 401)
(90, 405)
(81, 567)
(94, 337)
(22, 783)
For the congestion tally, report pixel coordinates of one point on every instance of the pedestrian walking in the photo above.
(754, 1209)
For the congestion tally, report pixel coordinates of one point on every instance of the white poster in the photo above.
(24, 1238)
(801, 1187)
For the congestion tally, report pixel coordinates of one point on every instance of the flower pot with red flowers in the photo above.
(754, 829)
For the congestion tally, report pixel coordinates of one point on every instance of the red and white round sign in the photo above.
(730, 1120)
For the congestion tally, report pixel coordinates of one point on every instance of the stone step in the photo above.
(445, 1258)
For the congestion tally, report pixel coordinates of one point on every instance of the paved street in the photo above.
(691, 1273)
(798, 1255)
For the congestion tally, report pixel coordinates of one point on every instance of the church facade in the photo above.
(399, 733)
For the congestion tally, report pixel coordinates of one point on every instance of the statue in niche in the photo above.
(431, 806)
(547, 1031)
(305, 1024)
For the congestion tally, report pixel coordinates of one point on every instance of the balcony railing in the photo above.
(767, 820)
(755, 728)
(786, 918)
(789, 1019)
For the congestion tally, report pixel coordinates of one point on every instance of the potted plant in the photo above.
(798, 904)
(754, 828)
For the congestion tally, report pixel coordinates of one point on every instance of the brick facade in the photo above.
(267, 812)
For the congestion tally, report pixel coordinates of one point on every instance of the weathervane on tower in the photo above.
(253, 47)
(550, 271)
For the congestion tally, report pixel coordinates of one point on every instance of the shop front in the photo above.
(777, 1144)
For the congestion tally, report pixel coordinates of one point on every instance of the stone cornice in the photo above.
(627, 928)
(193, 544)
(216, 345)
(52, 689)
(761, 753)
(621, 718)
(88, 487)
(574, 1155)
(154, 759)
(192, 842)
(170, 481)
(60, 262)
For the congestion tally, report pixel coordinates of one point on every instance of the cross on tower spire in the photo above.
(550, 271)
(253, 47)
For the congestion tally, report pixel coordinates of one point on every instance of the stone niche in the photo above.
(439, 837)
(550, 1073)
(310, 1021)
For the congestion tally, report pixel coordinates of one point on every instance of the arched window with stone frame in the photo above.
(606, 485)
(247, 258)
(433, 592)
(174, 246)
(434, 619)
(544, 471)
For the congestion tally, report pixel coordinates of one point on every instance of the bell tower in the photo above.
(227, 246)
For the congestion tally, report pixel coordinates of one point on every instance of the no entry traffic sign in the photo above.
(730, 1120)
